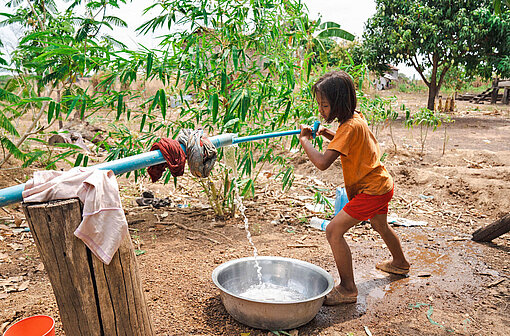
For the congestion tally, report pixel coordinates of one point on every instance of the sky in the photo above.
(351, 15)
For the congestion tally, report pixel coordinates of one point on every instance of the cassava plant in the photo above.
(425, 119)
(379, 112)
(55, 50)
(243, 63)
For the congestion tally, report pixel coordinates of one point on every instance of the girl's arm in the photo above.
(326, 132)
(320, 160)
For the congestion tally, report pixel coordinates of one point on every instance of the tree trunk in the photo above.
(92, 298)
(432, 96)
(495, 89)
(433, 87)
(494, 230)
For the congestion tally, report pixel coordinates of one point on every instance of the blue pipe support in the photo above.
(13, 194)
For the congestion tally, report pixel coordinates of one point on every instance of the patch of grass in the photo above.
(4, 79)
(467, 89)
(411, 86)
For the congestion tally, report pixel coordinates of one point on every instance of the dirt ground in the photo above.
(455, 287)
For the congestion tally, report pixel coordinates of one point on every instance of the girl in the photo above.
(368, 184)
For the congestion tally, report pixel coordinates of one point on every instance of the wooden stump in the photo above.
(495, 89)
(494, 230)
(506, 96)
(93, 298)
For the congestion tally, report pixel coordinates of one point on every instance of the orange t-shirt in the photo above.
(360, 154)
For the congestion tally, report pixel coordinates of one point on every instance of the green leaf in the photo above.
(149, 64)
(155, 101)
(288, 178)
(73, 104)
(6, 124)
(236, 100)
(11, 148)
(79, 158)
(60, 157)
(8, 96)
(336, 32)
(235, 58)
(120, 105)
(223, 82)
(162, 102)
(31, 157)
(229, 123)
(51, 111)
(142, 123)
(116, 21)
(329, 24)
(214, 107)
(82, 110)
(248, 187)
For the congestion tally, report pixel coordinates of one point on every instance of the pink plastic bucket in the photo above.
(38, 325)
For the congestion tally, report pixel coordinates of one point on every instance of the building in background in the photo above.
(384, 81)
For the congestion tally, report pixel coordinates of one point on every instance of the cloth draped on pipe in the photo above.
(200, 153)
(174, 157)
(103, 223)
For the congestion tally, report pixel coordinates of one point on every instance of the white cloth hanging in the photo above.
(103, 223)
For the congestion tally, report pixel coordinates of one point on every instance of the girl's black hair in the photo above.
(338, 88)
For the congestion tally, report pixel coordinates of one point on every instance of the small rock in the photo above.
(424, 274)
(16, 247)
(40, 267)
(23, 286)
(4, 257)
(15, 278)
(18, 221)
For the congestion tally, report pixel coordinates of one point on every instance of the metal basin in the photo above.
(235, 277)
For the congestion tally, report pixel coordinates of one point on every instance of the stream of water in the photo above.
(230, 161)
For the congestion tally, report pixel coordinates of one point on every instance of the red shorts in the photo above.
(364, 206)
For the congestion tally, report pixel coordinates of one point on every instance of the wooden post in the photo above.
(93, 298)
(494, 230)
(495, 89)
(506, 95)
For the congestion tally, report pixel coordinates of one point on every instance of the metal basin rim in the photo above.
(316, 268)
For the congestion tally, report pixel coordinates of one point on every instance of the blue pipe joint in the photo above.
(223, 140)
(315, 129)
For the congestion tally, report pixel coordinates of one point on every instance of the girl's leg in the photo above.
(380, 224)
(341, 252)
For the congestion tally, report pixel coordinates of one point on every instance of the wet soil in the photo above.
(455, 287)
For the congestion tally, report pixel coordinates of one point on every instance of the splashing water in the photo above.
(272, 293)
(230, 161)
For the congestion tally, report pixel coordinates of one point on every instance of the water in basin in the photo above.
(272, 293)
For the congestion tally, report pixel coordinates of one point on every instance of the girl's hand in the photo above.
(306, 132)
(322, 131)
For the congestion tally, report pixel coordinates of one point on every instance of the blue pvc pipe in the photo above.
(14, 194)
(236, 140)
(263, 136)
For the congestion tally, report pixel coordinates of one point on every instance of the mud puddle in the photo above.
(443, 266)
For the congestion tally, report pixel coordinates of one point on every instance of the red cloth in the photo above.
(364, 206)
(174, 156)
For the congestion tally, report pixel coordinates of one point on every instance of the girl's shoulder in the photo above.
(354, 121)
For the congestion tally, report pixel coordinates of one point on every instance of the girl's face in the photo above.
(324, 107)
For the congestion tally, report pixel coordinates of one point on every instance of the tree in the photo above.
(436, 35)
(498, 4)
(54, 50)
